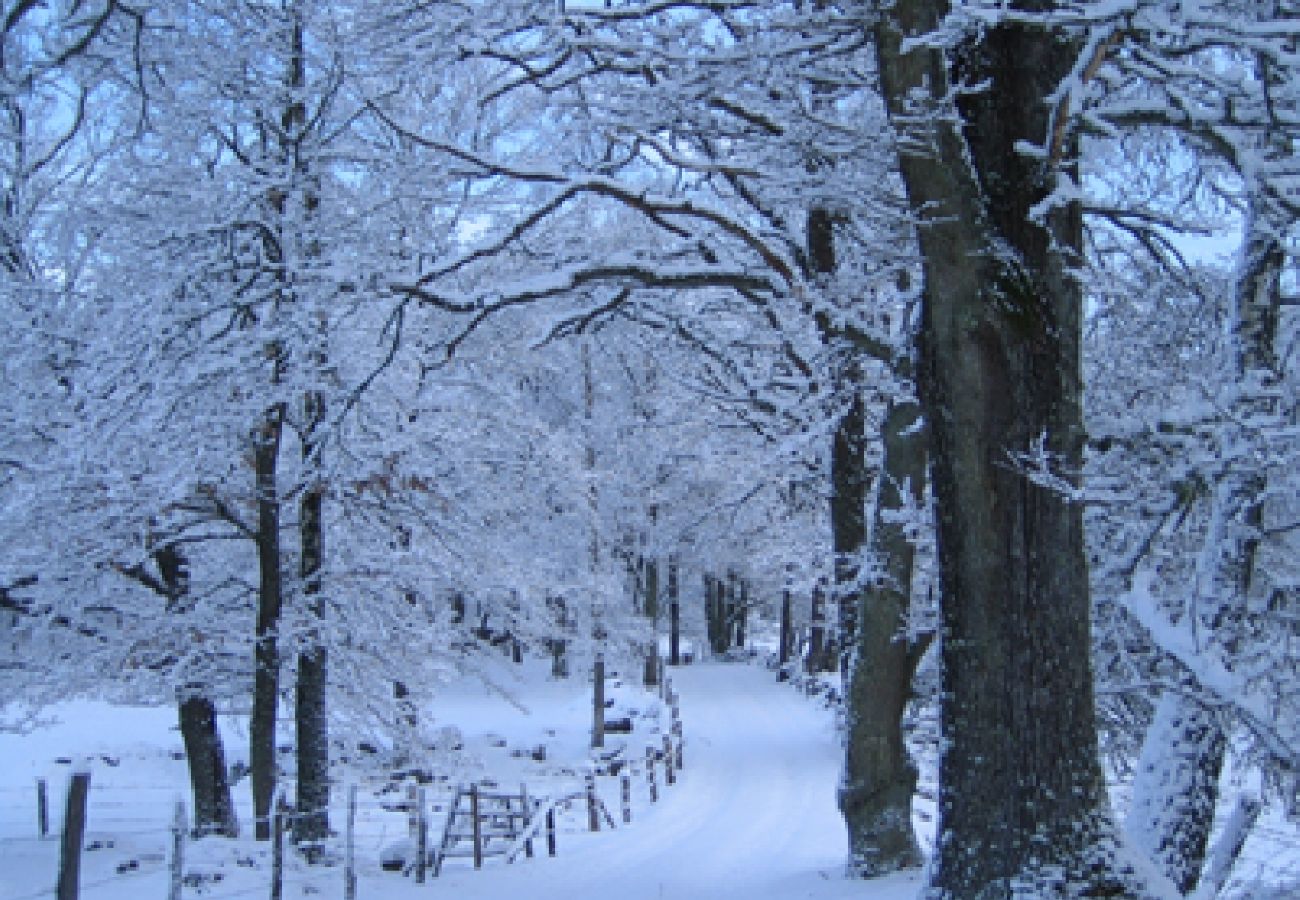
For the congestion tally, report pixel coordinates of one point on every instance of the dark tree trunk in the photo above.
(879, 779)
(214, 812)
(674, 616)
(1022, 802)
(817, 655)
(787, 630)
(848, 520)
(715, 615)
(741, 612)
(266, 652)
(311, 716)
(650, 599)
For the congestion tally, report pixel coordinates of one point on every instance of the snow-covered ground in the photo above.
(752, 815)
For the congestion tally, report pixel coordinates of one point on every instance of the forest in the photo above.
(347, 342)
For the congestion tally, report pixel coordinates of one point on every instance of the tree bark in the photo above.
(879, 778)
(1022, 805)
(214, 812)
(266, 652)
(311, 718)
(849, 480)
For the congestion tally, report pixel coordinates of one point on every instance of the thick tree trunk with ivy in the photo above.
(879, 778)
(1022, 805)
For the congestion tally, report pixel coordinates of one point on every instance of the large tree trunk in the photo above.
(266, 652)
(214, 812)
(879, 778)
(1022, 805)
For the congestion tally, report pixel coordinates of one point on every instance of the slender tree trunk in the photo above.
(674, 616)
(1022, 805)
(266, 652)
(849, 480)
(879, 779)
(650, 599)
(311, 712)
(214, 812)
(650, 606)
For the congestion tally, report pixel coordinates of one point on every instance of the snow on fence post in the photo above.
(349, 851)
(650, 774)
(593, 814)
(626, 794)
(669, 777)
(74, 830)
(476, 826)
(677, 734)
(277, 847)
(421, 837)
(42, 808)
(598, 701)
(178, 852)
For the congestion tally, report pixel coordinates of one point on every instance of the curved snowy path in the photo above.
(752, 816)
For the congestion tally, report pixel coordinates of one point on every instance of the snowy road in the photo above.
(752, 816)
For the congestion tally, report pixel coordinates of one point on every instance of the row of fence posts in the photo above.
(74, 820)
(72, 838)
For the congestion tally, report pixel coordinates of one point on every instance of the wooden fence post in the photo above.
(277, 848)
(42, 808)
(412, 820)
(626, 793)
(74, 830)
(528, 818)
(650, 774)
(677, 733)
(669, 777)
(349, 852)
(421, 837)
(178, 852)
(550, 831)
(598, 701)
(593, 814)
(476, 827)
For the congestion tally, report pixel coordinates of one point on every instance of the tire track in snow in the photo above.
(753, 814)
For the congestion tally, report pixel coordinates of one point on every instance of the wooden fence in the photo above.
(481, 822)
